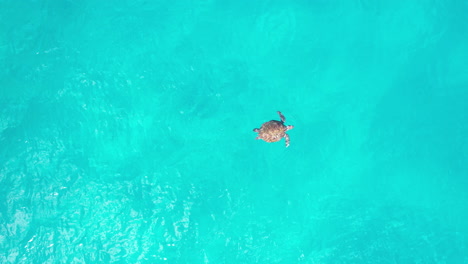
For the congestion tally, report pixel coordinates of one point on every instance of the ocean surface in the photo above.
(126, 131)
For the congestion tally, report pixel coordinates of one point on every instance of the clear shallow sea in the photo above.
(126, 131)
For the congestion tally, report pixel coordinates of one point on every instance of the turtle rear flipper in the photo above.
(256, 130)
(286, 137)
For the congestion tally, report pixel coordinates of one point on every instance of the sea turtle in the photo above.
(273, 131)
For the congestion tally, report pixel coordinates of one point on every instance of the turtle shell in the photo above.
(272, 131)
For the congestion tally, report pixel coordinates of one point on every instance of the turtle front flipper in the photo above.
(256, 130)
(282, 117)
(286, 137)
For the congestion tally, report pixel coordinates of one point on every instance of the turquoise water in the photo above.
(126, 131)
